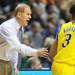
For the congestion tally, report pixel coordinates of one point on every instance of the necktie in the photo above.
(20, 36)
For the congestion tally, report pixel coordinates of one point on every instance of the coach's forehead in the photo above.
(22, 8)
(27, 9)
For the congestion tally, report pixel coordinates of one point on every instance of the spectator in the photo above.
(35, 35)
(34, 63)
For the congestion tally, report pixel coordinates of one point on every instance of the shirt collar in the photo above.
(17, 24)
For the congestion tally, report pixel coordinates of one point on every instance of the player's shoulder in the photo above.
(67, 24)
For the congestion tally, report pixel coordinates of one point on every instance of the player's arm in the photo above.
(53, 50)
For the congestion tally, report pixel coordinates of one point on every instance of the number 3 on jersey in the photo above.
(66, 40)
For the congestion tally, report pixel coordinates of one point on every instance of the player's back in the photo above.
(66, 44)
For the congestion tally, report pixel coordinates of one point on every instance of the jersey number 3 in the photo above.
(66, 40)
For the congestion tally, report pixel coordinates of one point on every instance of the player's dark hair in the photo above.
(72, 9)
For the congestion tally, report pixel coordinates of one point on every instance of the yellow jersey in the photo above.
(66, 44)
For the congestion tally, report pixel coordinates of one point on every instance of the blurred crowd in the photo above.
(47, 18)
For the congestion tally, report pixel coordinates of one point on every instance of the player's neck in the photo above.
(73, 17)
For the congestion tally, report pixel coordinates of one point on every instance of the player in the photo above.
(62, 53)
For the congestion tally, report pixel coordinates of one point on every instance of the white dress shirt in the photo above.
(9, 42)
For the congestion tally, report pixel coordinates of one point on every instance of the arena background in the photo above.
(48, 16)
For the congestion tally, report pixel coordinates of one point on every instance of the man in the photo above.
(34, 63)
(62, 52)
(35, 35)
(10, 45)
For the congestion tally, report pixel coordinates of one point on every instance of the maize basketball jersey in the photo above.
(66, 44)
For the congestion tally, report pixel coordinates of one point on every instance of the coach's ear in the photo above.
(19, 14)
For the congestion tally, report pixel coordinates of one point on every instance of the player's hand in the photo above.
(43, 52)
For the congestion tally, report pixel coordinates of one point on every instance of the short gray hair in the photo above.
(20, 8)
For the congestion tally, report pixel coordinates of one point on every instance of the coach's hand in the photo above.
(43, 52)
(16, 72)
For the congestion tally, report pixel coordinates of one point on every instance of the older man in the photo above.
(9, 40)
